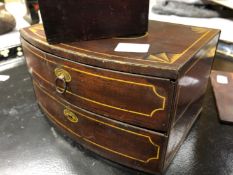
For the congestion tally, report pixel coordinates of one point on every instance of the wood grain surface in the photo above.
(73, 20)
(155, 96)
(139, 148)
(139, 100)
(171, 51)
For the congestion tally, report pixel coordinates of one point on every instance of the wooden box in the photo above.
(74, 20)
(106, 99)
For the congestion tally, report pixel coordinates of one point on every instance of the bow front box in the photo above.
(75, 20)
(106, 99)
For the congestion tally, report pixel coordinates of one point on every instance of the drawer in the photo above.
(139, 100)
(144, 150)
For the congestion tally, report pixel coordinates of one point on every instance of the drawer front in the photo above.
(144, 150)
(138, 100)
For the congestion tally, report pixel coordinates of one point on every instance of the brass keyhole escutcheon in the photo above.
(64, 77)
(70, 116)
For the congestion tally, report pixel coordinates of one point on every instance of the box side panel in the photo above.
(191, 89)
(193, 82)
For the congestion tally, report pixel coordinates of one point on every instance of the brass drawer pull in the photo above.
(63, 76)
(64, 88)
(70, 116)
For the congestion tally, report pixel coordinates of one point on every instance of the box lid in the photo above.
(172, 47)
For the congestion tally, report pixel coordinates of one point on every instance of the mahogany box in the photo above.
(74, 20)
(134, 108)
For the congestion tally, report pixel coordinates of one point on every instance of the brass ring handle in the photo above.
(64, 88)
(64, 76)
(70, 116)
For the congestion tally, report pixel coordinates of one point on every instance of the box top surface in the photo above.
(171, 50)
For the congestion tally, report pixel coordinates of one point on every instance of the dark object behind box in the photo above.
(74, 20)
(222, 83)
(133, 108)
